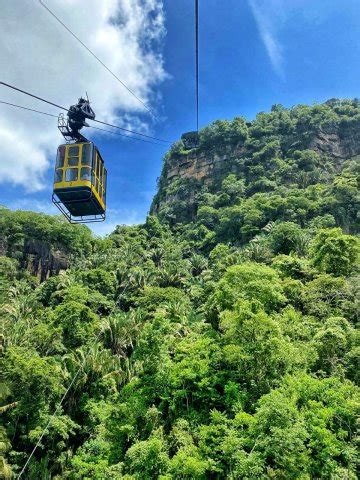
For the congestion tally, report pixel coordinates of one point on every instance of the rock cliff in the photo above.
(39, 258)
(41, 244)
(324, 129)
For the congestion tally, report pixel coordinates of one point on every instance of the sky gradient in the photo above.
(253, 54)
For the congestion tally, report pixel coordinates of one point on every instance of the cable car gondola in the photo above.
(80, 175)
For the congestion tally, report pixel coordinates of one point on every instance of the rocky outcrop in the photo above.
(42, 260)
(39, 258)
(203, 166)
(196, 168)
(340, 143)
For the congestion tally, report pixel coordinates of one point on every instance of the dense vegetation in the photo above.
(272, 172)
(221, 347)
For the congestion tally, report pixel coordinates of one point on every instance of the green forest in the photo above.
(217, 340)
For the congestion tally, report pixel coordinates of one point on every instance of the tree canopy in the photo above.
(219, 346)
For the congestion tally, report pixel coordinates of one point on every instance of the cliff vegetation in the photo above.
(218, 339)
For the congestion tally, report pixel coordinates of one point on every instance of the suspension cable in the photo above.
(131, 131)
(123, 135)
(197, 62)
(98, 121)
(32, 95)
(49, 423)
(97, 337)
(97, 58)
(91, 126)
(26, 108)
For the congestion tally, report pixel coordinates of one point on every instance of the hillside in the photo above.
(218, 340)
(308, 153)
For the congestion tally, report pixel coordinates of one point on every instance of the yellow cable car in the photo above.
(80, 182)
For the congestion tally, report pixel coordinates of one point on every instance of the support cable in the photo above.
(123, 135)
(97, 121)
(97, 58)
(91, 126)
(130, 131)
(26, 108)
(32, 95)
(64, 396)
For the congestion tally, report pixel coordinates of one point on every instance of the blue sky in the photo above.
(252, 54)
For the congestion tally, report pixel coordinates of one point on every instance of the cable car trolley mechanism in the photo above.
(80, 175)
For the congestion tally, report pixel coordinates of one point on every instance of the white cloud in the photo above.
(266, 13)
(38, 55)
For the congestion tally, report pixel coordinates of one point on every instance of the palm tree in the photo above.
(88, 365)
(158, 254)
(198, 264)
(302, 244)
(5, 470)
(257, 251)
(173, 274)
(121, 330)
(20, 303)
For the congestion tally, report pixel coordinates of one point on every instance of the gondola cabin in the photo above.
(80, 183)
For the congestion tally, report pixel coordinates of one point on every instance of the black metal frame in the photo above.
(67, 133)
(82, 219)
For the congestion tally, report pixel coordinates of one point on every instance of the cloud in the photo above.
(265, 13)
(38, 55)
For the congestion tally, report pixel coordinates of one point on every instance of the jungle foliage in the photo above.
(223, 347)
(284, 165)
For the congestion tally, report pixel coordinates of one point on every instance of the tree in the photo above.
(329, 296)
(78, 323)
(187, 462)
(292, 266)
(34, 382)
(305, 427)
(192, 376)
(256, 352)
(207, 216)
(234, 187)
(250, 281)
(334, 252)
(332, 342)
(147, 459)
(284, 237)
(101, 280)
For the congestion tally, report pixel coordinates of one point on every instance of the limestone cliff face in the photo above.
(194, 169)
(202, 166)
(42, 260)
(39, 258)
(336, 144)
(185, 173)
